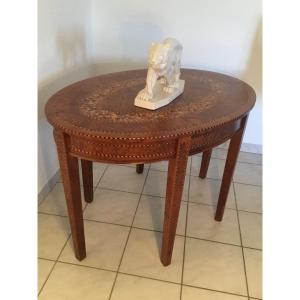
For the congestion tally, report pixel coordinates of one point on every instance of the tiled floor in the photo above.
(123, 229)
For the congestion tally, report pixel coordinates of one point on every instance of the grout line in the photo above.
(258, 185)
(49, 259)
(251, 248)
(114, 283)
(86, 266)
(238, 161)
(220, 179)
(206, 204)
(151, 278)
(211, 241)
(207, 289)
(55, 262)
(244, 263)
(213, 205)
(104, 171)
(115, 190)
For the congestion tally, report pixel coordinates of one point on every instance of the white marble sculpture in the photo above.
(163, 83)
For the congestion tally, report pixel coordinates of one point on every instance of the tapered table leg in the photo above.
(140, 168)
(87, 179)
(176, 176)
(70, 177)
(205, 163)
(232, 155)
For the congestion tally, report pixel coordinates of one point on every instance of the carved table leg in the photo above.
(139, 168)
(176, 176)
(87, 179)
(205, 163)
(232, 155)
(70, 176)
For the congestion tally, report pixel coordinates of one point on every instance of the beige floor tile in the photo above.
(219, 153)
(248, 174)
(44, 268)
(53, 232)
(251, 158)
(104, 246)
(214, 266)
(98, 170)
(150, 214)
(206, 191)
(163, 166)
(190, 293)
(156, 185)
(215, 170)
(251, 229)
(142, 256)
(137, 288)
(201, 224)
(77, 283)
(248, 197)
(123, 179)
(253, 261)
(112, 207)
(55, 202)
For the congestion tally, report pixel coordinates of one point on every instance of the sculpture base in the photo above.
(162, 98)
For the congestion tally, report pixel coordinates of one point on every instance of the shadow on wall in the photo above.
(71, 47)
(72, 65)
(72, 59)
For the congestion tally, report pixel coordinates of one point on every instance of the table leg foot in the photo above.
(205, 163)
(232, 155)
(176, 176)
(70, 177)
(87, 179)
(140, 168)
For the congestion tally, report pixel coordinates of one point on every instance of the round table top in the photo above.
(103, 106)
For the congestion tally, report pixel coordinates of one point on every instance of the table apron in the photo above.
(142, 151)
(202, 142)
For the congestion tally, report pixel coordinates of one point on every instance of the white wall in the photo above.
(64, 49)
(81, 38)
(217, 35)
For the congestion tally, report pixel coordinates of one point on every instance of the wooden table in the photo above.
(96, 120)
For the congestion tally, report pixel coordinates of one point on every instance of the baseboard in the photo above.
(48, 186)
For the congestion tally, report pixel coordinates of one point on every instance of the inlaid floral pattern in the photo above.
(92, 106)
